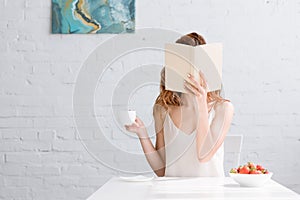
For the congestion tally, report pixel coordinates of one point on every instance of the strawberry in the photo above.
(265, 171)
(244, 170)
(254, 171)
(234, 170)
(250, 168)
(251, 165)
(259, 167)
(239, 168)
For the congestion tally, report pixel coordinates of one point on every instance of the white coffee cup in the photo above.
(126, 117)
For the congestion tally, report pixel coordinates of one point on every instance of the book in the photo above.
(181, 59)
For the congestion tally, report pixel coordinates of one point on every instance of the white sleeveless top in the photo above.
(181, 153)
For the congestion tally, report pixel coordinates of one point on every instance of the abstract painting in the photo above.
(93, 16)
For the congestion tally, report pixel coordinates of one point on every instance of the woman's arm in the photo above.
(154, 155)
(216, 134)
(209, 138)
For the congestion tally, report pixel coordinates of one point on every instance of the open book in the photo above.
(181, 59)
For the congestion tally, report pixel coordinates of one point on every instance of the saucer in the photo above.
(138, 178)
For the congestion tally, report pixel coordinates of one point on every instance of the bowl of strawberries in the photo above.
(250, 175)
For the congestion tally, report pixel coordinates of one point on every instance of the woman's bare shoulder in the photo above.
(225, 106)
(159, 112)
(159, 115)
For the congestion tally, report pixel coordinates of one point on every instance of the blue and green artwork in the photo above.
(93, 16)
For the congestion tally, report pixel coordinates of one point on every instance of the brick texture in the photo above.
(41, 155)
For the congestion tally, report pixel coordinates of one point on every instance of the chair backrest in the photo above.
(232, 152)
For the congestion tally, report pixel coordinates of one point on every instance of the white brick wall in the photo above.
(41, 156)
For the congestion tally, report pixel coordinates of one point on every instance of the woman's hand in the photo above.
(137, 127)
(199, 89)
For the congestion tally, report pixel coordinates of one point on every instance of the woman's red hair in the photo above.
(168, 98)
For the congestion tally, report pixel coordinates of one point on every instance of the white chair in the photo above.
(232, 152)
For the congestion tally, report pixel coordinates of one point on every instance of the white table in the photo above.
(190, 188)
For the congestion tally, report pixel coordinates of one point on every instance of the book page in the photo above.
(181, 59)
(208, 58)
(178, 63)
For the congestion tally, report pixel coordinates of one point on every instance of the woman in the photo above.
(190, 127)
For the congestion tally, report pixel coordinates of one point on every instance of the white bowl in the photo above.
(251, 180)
